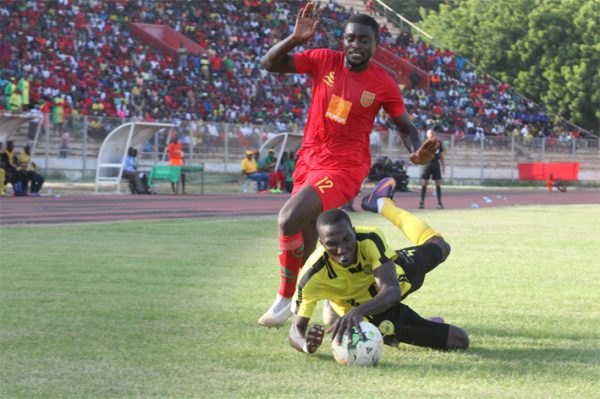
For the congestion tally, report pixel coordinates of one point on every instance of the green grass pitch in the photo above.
(168, 310)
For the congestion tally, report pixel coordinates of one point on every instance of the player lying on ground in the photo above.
(347, 93)
(363, 278)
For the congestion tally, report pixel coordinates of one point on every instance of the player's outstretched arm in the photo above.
(424, 154)
(420, 154)
(277, 58)
(302, 340)
(389, 294)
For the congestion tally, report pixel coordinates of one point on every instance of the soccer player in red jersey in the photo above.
(347, 93)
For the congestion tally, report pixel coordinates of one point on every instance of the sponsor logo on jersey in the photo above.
(338, 109)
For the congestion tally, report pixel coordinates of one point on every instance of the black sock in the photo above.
(423, 193)
(438, 191)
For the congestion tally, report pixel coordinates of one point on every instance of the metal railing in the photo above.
(221, 147)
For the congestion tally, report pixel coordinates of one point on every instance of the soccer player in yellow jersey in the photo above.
(363, 277)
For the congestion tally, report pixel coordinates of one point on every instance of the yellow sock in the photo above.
(2, 186)
(415, 229)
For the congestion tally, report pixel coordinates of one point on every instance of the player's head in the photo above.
(361, 36)
(337, 236)
(433, 131)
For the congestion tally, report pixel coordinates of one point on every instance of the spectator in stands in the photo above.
(138, 181)
(250, 170)
(82, 51)
(30, 180)
(176, 158)
(434, 170)
(9, 90)
(64, 144)
(23, 85)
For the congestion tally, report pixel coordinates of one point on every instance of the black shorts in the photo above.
(432, 171)
(417, 262)
(408, 326)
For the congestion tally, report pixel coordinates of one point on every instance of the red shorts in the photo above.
(335, 186)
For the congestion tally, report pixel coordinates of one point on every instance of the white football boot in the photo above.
(278, 313)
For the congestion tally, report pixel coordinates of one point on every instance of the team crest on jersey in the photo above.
(367, 98)
(329, 79)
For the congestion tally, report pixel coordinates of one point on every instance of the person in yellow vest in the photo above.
(7, 163)
(9, 89)
(58, 114)
(26, 169)
(16, 101)
(23, 85)
(2, 183)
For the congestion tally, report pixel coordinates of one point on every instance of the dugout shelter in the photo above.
(10, 122)
(281, 143)
(112, 154)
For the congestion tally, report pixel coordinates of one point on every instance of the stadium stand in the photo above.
(79, 57)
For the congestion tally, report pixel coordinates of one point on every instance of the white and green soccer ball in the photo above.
(358, 351)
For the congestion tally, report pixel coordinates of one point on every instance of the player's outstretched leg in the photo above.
(384, 189)
(413, 227)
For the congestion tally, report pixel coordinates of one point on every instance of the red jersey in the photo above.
(343, 108)
(175, 154)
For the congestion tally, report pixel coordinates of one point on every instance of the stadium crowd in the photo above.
(78, 57)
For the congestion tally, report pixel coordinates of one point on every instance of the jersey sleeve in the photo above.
(304, 306)
(310, 61)
(306, 296)
(393, 102)
(377, 249)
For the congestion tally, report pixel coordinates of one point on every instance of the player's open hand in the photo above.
(314, 338)
(307, 22)
(426, 152)
(344, 325)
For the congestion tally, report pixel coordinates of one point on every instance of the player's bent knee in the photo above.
(291, 222)
(457, 339)
(442, 245)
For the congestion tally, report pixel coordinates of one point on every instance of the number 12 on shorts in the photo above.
(324, 183)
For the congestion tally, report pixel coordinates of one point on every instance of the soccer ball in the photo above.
(354, 350)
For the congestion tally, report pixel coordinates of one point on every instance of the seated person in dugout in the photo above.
(362, 277)
(138, 181)
(8, 163)
(30, 180)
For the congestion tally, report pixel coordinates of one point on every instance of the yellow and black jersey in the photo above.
(23, 161)
(345, 287)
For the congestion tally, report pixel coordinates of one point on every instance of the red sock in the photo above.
(291, 252)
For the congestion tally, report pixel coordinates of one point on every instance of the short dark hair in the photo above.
(333, 216)
(364, 19)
